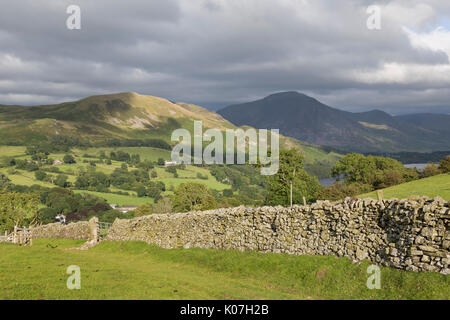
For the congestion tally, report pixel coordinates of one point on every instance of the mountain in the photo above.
(116, 116)
(122, 116)
(305, 118)
(429, 121)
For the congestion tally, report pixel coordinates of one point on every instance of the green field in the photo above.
(431, 187)
(121, 200)
(135, 270)
(11, 151)
(146, 153)
(26, 178)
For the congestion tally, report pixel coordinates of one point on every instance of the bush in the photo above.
(47, 215)
(339, 191)
(430, 170)
(444, 165)
(69, 159)
(61, 181)
(227, 193)
(163, 205)
(143, 210)
(202, 176)
(193, 196)
(40, 175)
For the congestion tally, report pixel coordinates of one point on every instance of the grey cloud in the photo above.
(212, 52)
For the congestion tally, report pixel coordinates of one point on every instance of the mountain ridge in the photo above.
(122, 116)
(305, 118)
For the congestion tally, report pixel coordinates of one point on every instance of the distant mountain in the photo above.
(429, 121)
(122, 116)
(115, 116)
(302, 117)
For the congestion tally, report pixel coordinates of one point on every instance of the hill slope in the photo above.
(120, 116)
(431, 187)
(428, 121)
(307, 119)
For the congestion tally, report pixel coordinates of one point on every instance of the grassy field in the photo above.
(135, 270)
(12, 151)
(121, 200)
(431, 187)
(147, 153)
(26, 178)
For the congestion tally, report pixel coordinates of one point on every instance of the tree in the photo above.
(372, 170)
(141, 191)
(430, 170)
(192, 196)
(143, 210)
(17, 209)
(444, 165)
(69, 159)
(161, 162)
(172, 169)
(227, 193)
(163, 205)
(291, 183)
(61, 180)
(5, 182)
(46, 215)
(40, 175)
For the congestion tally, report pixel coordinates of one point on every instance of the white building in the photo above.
(170, 163)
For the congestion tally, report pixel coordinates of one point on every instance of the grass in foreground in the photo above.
(135, 270)
(431, 187)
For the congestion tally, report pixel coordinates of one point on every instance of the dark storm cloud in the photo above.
(215, 52)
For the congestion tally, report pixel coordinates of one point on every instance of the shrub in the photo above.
(339, 191)
(163, 205)
(430, 170)
(444, 165)
(61, 181)
(143, 210)
(69, 159)
(47, 215)
(193, 196)
(202, 176)
(40, 175)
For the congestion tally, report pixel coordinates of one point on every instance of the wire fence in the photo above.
(104, 225)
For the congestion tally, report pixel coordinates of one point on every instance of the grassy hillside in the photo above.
(134, 270)
(431, 187)
(27, 178)
(121, 116)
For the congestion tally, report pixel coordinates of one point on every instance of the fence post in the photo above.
(15, 235)
(380, 195)
(93, 226)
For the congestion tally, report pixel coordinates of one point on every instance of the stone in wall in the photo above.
(79, 230)
(406, 234)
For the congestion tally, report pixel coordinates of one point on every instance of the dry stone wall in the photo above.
(79, 230)
(406, 234)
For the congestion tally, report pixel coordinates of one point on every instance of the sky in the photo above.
(219, 52)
